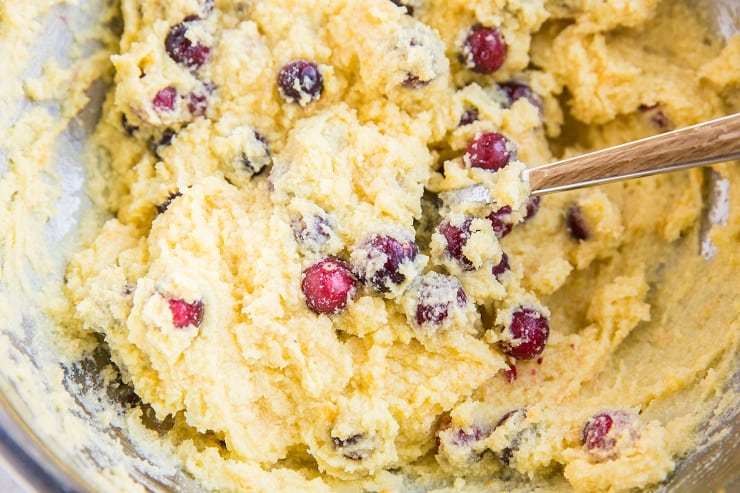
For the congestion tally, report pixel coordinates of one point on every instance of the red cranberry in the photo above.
(533, 206)
(436, 296)
(484, 49)
(601, 431)
(408, 9)
(456, 238)
(300, 81)
(161, 208)
(576, 223)
(185, 314)
(490, 151)
(510, 373)
(501, 221)
(468, 117)
(181, 49)
(516, 90)
(391, 252)
(502, 267)
(328, 286)
(528, 333)
(165, 99)
(656, 116)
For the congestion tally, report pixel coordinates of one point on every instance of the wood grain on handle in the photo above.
(705, 143)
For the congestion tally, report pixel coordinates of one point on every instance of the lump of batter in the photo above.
(322, 255)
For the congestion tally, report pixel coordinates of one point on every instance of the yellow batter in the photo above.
(225, 187)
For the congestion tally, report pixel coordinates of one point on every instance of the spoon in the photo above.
(705, 143)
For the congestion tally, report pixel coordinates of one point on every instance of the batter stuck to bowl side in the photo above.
(299, 274)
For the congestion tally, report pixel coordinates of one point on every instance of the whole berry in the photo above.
(490, 151)
(501, 221)
(601, 432)
(576, 223)
(378, 260)
(484, 49)
(181, 49)
(328, 286)
(300, 81)
(527, 334)
(165, 99)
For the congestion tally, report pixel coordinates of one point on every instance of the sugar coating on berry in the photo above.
(604, 431)
(328, 286)
(490, 151)
(502, 221)
(484, 49)
(165, 99)
(185, 314)
(526, 335)
(432, 301)
(300, 81)
(383, 262)
(456, 238)
(576, 223)
(181, 49)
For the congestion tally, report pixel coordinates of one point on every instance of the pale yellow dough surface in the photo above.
(264, 390)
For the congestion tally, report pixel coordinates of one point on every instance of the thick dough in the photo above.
(223, 193)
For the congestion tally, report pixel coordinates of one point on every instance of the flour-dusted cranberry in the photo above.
(462, 441)
(516, 90)
(501, 221)
(533, 206)
(127, 126)
(165, 99)
(655, 115)
(435, 296)
(502, 267)
(165, 139)
(300, 81)
(378, 261)
(355, 447)
(185, 314)
(456, 238)
(256, 161)
(468, 117)
(162, 207)
(526, 335)
(601, 432)
(409, 9)
(328, 286)
(198, 99)
(183, 50)
(311, 231)
(576, 223)
(514, 421)
(484, 49)
(490, 151)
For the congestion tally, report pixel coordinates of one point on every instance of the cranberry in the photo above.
(127, 127)
(198, 99)
(165, 99)
(528, 333)
(165, 139)
(328, 286)
(456, 238)
(161, 208)
(599, 435)
(311, 231)
(181, 49)
(502, 267)
(414, 82)
(468, 117)
(378, 260)
(436, 296)
(256, 166)
(501, 221)
(490, 151)
(533, 206)
(185, 314)
(484, 49)
(354, 447)
(510, 373)
(463, 438)
(300, 81)
(576, 223)
(515, 418)
(656, 116)
(409, 9)
(516, 90)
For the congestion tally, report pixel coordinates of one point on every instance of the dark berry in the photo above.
(515, 419)
(456, 238)
(165, 99)
(490, 151)
(414, 82)
(436, 295)
(300, 81)
(198, 99)
(354, 447)
(161, 208)
(462, 438)
(311, 231)
(127, 127)
(468, 117)
(576, 223)
(409, 9)
(378, 260)
(502, 267)
(164, 140)
(328, 286)
(656, 116)
(527, 333)
(510, 373)
(533, 205)
(599, 435)
(501, 221)
(185, 314)
(259, 164)
(181, 49)
(484, 49)
(517, 90)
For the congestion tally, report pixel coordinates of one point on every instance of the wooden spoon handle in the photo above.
(705, 143)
